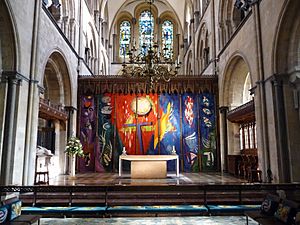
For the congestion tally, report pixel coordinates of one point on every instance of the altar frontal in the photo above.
(148, 166)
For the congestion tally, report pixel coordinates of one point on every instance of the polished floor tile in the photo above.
(114, 179)
(214, 220)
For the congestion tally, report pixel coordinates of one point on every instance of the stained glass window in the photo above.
(146, 30)
(125, 33)
(167, 39)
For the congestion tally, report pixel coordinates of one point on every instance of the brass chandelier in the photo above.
(149, 63)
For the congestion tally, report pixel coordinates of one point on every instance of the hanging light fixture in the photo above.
(148, 62)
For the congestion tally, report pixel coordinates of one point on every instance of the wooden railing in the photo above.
(48, 110)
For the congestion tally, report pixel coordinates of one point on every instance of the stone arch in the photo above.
(286, 66)
(8, 62)
(66, 18)
(52, 129)
(235, 92)
(72, 9)
(203, 48)
(221, 26)
(123, 16)
(144, 6)
(168, 15)
(57, 71)
(237, 70)
(203, 5)
(229, 19)
(8, 56)
(92, 45)
(104, 26)
(189, 64)
(188, 15)
(137, 13)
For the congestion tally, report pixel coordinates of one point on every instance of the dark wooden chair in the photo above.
(41, 178)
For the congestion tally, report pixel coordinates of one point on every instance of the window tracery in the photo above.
(146, 28)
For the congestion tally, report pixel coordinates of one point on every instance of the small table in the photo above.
(148, 166)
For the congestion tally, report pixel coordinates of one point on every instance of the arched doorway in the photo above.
(52, 125)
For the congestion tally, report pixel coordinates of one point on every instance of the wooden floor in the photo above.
(113, 179)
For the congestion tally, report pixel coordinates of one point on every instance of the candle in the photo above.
(173, 151)
(124, 52)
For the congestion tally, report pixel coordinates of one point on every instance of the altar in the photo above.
(148, 166)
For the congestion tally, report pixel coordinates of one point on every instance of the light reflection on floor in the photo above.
(114, 179)
(213, 220)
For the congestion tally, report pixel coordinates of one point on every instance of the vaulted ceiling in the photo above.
(176, 6)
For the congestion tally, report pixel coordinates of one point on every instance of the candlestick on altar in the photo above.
(173, 150)
(124, 151)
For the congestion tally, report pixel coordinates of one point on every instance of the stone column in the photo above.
(192, 39)
(97, 19)
(104, 32)
(31, 133)
(57, 132)
(101, 20)
(185, 44)
(72, 33)
(70, 132)
(115, 50)
(221, 35)
(197, 19)
(13, 80)
(295, 81)
(224, 138)
(283, 153)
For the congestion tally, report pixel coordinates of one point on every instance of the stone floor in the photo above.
(214, 220)
(114, 179)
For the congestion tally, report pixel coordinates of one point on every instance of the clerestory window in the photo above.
(125, 38)
(167, 39)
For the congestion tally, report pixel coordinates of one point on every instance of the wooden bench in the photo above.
(285, 213)
(262, 219)
(25, 220)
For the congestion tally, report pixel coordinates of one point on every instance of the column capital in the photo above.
(197, 13)
(279, 79)
(223, 109)
(252, 90)
(294, 77)
(41, 89)
(13, 76)
(71, 109)
(65, 18)
(221, 24)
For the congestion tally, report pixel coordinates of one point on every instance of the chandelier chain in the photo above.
(148, 62)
